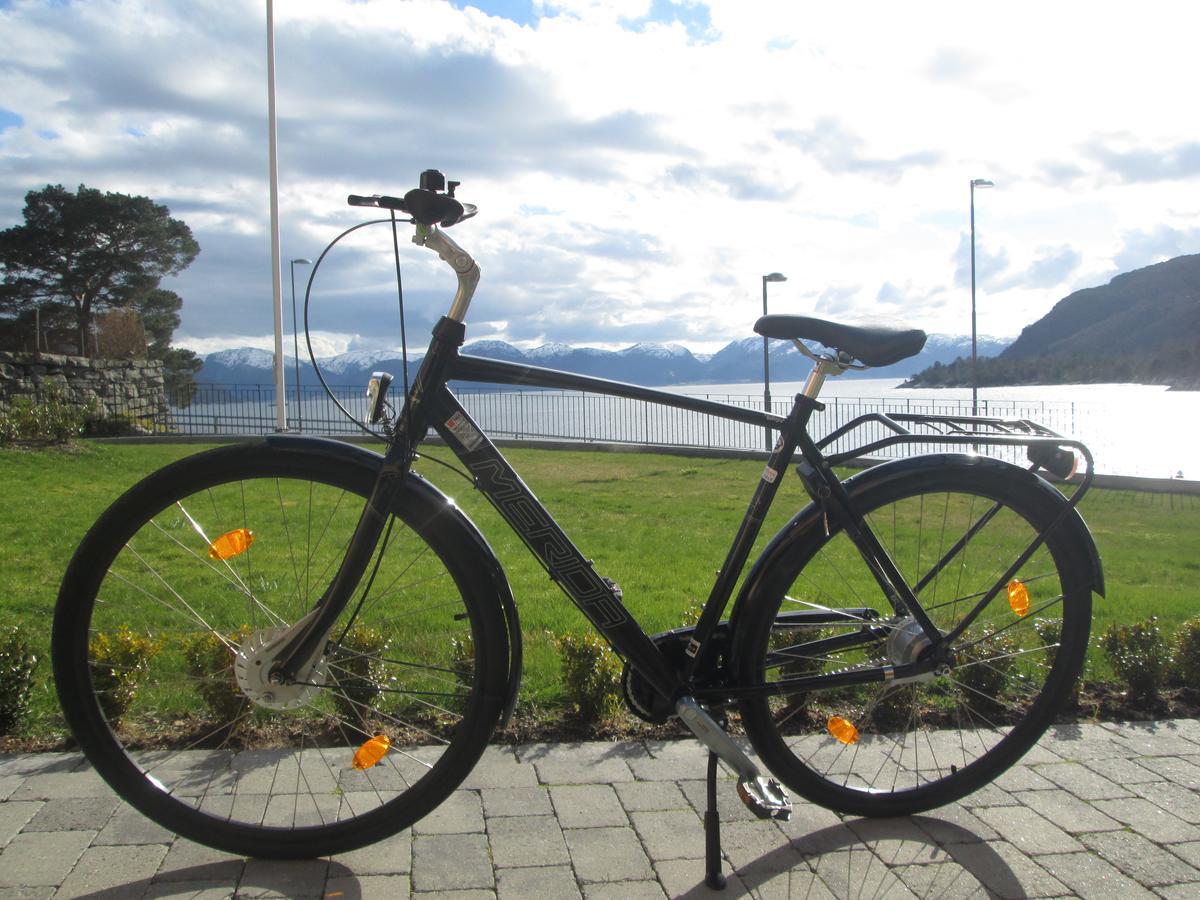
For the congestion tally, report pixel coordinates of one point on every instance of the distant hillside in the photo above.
(647, 364)
(1143, 326)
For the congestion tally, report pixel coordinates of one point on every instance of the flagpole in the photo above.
(276, 271)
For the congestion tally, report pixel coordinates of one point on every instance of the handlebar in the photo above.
(425, 206)
(429, 207)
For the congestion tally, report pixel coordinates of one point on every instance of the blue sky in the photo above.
(520, 11)
(692, 15)
(638, 164)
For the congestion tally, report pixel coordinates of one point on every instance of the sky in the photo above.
(638, 165)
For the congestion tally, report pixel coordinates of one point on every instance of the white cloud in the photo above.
(638, 166)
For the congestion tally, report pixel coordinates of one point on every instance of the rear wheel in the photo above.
(883, 748)
(166, 624)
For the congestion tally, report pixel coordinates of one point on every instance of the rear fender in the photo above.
(420, 494)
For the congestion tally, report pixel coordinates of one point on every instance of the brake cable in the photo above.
(308, 337)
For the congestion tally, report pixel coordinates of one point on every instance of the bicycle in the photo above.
(328, 642)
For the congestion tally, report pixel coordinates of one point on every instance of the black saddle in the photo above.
(876, 346)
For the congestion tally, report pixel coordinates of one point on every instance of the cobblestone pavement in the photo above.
(1093, 811)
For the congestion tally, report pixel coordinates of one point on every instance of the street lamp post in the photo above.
(299, 261)
(773, 277)
(975, 183)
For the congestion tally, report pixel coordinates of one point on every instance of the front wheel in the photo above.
(166, 626)
(883, 748)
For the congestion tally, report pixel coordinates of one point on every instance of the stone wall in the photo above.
(118, 387)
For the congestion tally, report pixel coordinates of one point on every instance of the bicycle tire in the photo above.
(916, 746)
(201, 747)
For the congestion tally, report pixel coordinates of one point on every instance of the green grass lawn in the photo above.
(659, 525)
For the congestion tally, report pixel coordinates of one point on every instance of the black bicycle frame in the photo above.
(599, 599)
(431, 405)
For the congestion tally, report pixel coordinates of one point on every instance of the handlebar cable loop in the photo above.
(435, 239)
(308, 337)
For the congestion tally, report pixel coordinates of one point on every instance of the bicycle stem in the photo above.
(457, 259)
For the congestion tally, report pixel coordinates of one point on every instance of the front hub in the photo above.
(252, 666)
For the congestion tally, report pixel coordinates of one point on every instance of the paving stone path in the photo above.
(1108, 810)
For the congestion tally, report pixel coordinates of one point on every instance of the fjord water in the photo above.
(1131, 429)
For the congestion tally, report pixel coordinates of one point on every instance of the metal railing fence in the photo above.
(571, 416)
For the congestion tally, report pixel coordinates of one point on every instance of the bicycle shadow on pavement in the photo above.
(867, 858)
(281, 879)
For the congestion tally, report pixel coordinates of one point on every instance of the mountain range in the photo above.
(740, 361)
(1143, 326)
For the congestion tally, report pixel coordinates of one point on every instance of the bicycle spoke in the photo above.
(405, 665)
(953, 547)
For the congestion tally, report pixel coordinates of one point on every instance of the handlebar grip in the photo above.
(380, 202)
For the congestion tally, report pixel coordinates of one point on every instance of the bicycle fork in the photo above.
(301, 646)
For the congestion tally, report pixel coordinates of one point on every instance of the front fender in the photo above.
(424, 495)
(804, 525)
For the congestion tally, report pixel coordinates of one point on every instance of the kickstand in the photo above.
(712, 832)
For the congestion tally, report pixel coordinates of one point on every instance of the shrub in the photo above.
(17, 664)
(1139, 656)
(799, 663)
(51, 420)
(984, 667)
(691, 612)
(892, 706)
(1186, 655)
(119, 425)
(210, 661)
(357, 673)
(462, 654)
(1049, 632)
(120, 660)
(591, 675)
(462, 661)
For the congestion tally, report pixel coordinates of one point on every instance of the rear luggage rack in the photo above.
(1045, 449)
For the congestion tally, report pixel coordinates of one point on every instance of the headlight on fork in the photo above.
(377, 389)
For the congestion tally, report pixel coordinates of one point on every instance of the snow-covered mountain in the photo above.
(355, 360)
(657, 351)
(245, 365)
(644, 363)
(243, 356)
(547, 352)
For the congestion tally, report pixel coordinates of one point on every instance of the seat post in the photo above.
(816, 378)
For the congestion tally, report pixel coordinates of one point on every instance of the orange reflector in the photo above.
(1018, 597)
(843, 730)
(372, 751)
(231, 544)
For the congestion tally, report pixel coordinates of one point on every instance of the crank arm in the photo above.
(765, 797)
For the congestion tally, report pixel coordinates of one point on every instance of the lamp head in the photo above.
(774, 277)
(301, 261)
(982, 183)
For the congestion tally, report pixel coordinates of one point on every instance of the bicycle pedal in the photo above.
(765, 797)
